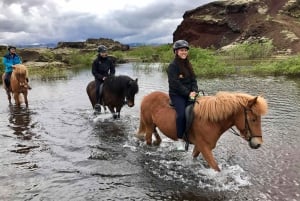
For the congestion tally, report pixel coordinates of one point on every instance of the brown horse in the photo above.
(18, 84)
(213, 115)
(117, 91)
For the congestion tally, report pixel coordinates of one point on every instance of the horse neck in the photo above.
(232, 120)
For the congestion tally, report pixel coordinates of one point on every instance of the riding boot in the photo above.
(28, 87)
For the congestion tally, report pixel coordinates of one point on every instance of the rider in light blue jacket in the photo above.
(10, 59)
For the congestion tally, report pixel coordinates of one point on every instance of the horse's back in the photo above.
(153, 103)
(156, 98)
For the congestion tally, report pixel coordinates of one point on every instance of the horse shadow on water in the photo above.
(117, 91)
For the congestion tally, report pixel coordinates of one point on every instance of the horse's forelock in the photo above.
(261, 106)
(21, 69)
(133, 86)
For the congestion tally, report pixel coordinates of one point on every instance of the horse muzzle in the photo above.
(255, 142)
(130, 104)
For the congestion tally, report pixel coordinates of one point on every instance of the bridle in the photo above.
(249, 134)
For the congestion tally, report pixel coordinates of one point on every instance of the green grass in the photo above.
(288, 67)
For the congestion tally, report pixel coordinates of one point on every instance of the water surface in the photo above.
(57, 149)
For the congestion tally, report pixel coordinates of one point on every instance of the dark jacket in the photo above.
(181, 80)
(103, 67)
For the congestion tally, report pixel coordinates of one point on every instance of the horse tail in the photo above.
(142, 130)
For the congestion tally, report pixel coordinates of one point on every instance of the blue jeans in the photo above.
(180, 104)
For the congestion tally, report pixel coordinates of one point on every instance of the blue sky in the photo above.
(51, 21)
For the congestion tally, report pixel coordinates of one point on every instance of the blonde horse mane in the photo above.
(224, 104)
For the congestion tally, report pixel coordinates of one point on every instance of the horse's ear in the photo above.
(136, 80)
(252, 102)
(14, 66)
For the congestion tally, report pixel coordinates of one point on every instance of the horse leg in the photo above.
(118, 112)
(8, 96)
(112, 110)
(158, 139)
(25, 98)
(208, 156)
(16, 97)
(195, 152)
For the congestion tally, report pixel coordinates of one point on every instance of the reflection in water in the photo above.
(19, 120)
(98, 158)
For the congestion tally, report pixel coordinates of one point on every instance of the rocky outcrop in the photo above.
(222, 23)
(91, 44)
(61, 55)
(78, 45)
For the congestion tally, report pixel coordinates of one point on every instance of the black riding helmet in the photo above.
(180, 44)
(11, 47)
(102, 48)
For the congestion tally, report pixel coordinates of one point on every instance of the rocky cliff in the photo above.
(222, 23)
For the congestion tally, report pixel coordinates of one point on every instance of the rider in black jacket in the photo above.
(102, 67)
(182, 83)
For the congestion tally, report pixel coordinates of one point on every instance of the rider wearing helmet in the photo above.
(102, 67)
(10, 59)
(182, 84)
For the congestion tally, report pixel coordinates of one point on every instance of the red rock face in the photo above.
(221, 23)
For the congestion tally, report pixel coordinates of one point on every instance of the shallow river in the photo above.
(57, 149)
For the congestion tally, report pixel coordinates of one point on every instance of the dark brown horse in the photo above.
(18, 85)
(213, 115)
(117, 91)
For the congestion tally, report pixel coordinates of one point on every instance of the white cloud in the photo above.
(35, 21)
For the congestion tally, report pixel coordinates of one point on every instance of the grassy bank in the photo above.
(254, 59)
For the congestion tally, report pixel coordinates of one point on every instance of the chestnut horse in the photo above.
(18, 84)
(213, 115)
(117, 91)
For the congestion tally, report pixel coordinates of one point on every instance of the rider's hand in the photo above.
(193, 94)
